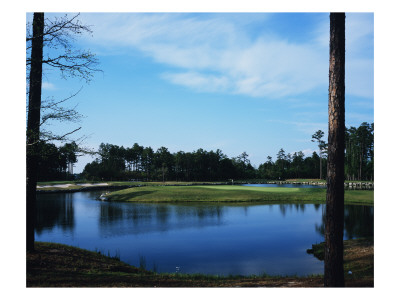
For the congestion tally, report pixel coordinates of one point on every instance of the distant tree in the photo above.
(179, 165)
(52, 164)
(365, 142)
(92, 171)
(112, 161)
(333, 269)
(243, 164)
(359, 156)
(54, 161)
(69, 153)
(281, 163)
(267, 169)
(317, 137)
(147, 159)
(297, 163)
(164, 161)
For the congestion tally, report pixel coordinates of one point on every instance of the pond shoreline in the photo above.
(58, 265)
(232, 194)
(79, 188)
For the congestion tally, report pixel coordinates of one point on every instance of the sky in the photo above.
(253, 82)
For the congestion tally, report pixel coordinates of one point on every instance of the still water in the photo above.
(195, 238)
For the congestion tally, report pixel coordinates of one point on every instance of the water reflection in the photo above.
(55, 212)
(137, 218)
(358, 221)
(285, 207)
(200, 238)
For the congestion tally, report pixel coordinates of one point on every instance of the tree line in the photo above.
(359, 152)
(143, 163)
(55, 162)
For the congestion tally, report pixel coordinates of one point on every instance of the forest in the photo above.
(146, 164)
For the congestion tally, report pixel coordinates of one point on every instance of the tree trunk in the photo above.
(320, 165)
(33, 127)
(361, 161)
(334, 275)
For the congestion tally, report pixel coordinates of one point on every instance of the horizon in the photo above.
(239, 82)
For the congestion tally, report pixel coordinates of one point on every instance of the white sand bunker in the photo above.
(55, 186)
(92, 184)
(64, 186)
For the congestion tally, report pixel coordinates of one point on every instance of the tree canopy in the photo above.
(143, 163)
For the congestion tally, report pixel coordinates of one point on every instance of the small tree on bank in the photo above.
(317, 137)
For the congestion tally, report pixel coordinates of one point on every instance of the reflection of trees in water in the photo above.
(317, 206)
(154, 217)
(58, 210)
(285, 207)
(200, 211)
(110, 212)
(162, 214)
(113, 213)
(54, 210)
(358, 221)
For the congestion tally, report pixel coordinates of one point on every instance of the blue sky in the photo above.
(253, 82)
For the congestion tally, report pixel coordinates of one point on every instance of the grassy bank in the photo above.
(358, 257)
(228, 193)
(56, 265)
(82, 184)
(85, 185)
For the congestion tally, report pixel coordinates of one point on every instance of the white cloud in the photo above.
(198, 81)
(359, 33)
(214, 53)
(359, 52)
(308, 152)
(48, 86)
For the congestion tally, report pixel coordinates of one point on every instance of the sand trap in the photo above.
(64, 186)
(92, 184)
(55, 186)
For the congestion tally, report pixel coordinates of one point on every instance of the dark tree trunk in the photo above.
(33, 126)
(334, 275)
(320, 165)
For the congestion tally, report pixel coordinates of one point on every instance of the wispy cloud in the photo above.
(215, 53)
(199, 81)
(48, 86)
(359, 52)
(308, 152)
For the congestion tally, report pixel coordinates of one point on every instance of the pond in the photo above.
(195, 238)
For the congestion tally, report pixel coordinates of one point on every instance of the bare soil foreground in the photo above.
(56, 265)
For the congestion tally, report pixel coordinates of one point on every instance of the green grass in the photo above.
(229, 193)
